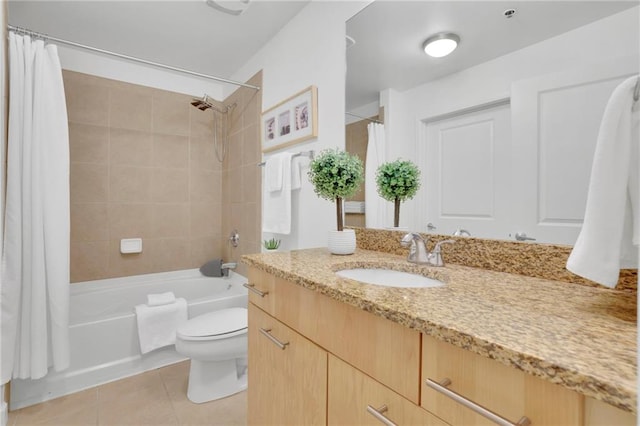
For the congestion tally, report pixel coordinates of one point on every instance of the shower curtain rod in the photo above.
(364, 118)
(127, 57)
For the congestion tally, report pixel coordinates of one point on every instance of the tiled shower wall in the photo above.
(241, 176)
(142, 165)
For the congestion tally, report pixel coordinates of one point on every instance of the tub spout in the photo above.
(226, 267)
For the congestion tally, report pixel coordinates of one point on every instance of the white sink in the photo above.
(389, 278)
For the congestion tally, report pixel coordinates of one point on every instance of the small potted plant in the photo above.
(398, 181)
(337, 175)
(271, 244)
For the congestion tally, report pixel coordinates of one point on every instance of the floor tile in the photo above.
(69, 405)
(146, 405)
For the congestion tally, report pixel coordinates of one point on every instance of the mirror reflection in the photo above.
(503, 128)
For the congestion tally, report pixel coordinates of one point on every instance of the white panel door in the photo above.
(465, 170)
(555, 122)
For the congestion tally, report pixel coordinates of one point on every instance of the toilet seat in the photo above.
(215, 325)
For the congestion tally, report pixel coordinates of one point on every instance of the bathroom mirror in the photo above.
(504, 128)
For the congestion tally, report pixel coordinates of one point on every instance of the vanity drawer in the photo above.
(261, 288)
(370, 343)
(508, 392)
(355, 397)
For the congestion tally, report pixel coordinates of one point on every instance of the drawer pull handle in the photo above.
(252, 288)
(378, 414)
(485, 412)
(278, 343)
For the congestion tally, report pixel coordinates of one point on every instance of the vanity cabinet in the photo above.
(315, 360)
(288, 379)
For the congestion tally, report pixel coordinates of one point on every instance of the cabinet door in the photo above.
(353, 395)
(287, 375)
(504, 390)
(262, 289)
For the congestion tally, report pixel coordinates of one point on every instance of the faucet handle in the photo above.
(437, 248)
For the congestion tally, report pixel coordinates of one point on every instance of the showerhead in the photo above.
(202, 104)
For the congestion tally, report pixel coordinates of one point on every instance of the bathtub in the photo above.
(103, 332)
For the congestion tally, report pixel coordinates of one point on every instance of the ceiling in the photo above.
(389, 34)
(186, 33)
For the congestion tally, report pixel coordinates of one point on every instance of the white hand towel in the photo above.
(157, 325)
(160, 299)
(273, 172)
(296, 173)
(605, 243)
(276, 205)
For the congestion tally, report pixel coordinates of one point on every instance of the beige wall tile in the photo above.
(206, 219)
(171, 113)
(249, 223)
(129, 147)
(89, 260)
(170, 220)
(169, 254)
(88, 182)
(253, 103)
(88, 143)
(130, 220)
(170, 151)
(251, 150)
(235, 149)
(124, 265)
(236, 184)
(250, 189)
(89, 222)
(129, 184)
(87, 103)
(170, 186)
(203, 154)
(129, 109)
(204, 249)
(201, 123)
(206, 186)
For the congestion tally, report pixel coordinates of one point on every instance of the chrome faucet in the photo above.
(225, 267)
(418, 252)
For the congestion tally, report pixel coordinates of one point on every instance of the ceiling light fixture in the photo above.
(441, 44)
(236, 7)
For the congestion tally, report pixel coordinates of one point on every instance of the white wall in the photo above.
(614, 36)
(87, 62)
(309, 50)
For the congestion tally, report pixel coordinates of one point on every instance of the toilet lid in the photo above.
(216, 323)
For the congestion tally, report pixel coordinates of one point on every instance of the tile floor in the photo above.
(157, 397)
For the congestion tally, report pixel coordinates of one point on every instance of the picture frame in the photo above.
(292, 121)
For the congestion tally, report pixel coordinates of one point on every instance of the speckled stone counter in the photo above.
(580, 337)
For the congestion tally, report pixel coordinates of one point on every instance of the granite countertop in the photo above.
(580, 337)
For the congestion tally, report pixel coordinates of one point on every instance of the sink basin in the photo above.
(389, 278)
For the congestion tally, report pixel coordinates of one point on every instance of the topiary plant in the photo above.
(398, 181)
(336, 175)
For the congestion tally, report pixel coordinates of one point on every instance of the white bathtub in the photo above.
(104, 335)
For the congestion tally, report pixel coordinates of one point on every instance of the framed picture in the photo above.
(291, 121)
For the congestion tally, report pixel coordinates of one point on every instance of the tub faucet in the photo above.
(417, 247)
(225, 267)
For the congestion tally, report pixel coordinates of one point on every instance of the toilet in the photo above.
(216, 342)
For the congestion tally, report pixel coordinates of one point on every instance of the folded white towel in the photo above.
(608, 234)
(276, 205)
(160, 299)
(273, 169)
(157, 325)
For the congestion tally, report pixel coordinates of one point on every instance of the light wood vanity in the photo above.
(314, 359)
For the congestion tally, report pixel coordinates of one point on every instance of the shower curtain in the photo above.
(35, 262)
(375, 206)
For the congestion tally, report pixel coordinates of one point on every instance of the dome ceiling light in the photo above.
(441, 44)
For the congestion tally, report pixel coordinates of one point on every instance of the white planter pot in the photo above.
(342, 242)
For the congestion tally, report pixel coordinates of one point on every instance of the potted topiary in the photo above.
(337, 175)
(398, 181)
